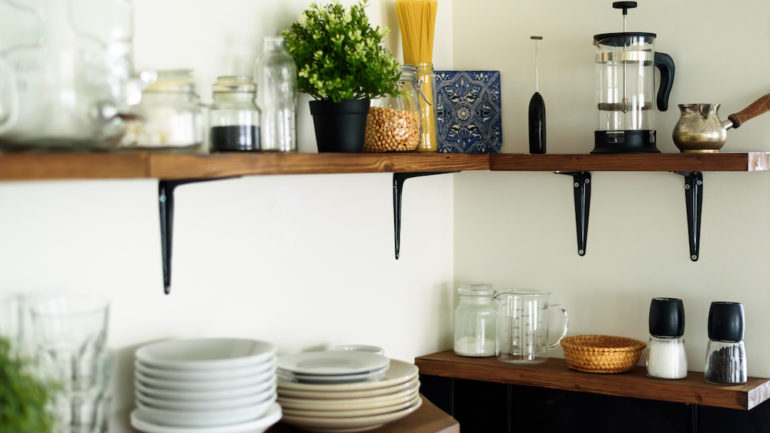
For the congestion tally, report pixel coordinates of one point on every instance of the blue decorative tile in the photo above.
(468, 111)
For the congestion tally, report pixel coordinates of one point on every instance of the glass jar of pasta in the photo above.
(393, 123)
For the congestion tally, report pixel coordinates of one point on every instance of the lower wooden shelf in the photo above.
(555, 374)
(427, 419)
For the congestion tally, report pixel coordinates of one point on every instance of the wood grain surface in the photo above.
(555, 374)
(754, 161)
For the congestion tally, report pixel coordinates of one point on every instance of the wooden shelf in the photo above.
(555, 374)
(751, 161)
(124, 165)
(427, 419)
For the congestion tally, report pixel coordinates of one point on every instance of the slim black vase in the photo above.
(340, 126)
(536, 124)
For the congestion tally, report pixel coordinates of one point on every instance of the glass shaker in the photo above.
(170, 116)
(475, 321)
(666, 358)
(277, 99)
(726, 352)
(234, 116)
(393, 123)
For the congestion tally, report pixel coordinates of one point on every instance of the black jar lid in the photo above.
(726, 321)
(666, 317)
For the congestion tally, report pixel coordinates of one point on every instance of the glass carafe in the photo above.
(65, 69)
(523, 319)
(277, 97)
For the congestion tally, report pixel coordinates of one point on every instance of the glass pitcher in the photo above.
(65, 69)
(522, 326)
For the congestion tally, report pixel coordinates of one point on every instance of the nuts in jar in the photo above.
(391, 130)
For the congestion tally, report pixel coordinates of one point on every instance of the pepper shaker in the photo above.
(666, 358)
(726, 352)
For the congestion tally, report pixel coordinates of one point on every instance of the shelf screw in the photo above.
(588, 180)
(687, 186)
(577, 184)
(581, 252)
(694, 257)
(700, 182)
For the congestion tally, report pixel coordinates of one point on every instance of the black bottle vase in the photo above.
(537, 124)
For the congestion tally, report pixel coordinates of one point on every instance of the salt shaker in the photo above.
(726, 353)
(475, 321)
(666, 358)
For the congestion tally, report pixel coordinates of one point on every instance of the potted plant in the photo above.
(342, 64)
(24, 400)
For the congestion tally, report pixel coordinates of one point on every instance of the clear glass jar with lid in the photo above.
(475, 320)
(234, 116)
(170, 115)
(393, 123)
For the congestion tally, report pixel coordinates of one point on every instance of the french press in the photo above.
(625, 84)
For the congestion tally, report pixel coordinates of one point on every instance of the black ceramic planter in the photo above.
(340, 126)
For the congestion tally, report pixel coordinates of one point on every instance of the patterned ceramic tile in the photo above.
(468, 111)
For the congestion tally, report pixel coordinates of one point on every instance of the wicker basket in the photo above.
(601, 353)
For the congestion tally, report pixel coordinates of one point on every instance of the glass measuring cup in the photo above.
(523, 319)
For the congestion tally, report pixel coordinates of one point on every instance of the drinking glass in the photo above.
(69, 337)
(522, 326)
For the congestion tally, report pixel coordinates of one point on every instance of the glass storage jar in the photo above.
(234, 116)
(170, 116)
(726, 361)
(393, 123)
(666, 358)
(475, 321)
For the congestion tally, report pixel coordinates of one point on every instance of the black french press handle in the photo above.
(665, 63)
(624, 5)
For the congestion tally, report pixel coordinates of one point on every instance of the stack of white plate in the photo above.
(345, 405)
(208, 385)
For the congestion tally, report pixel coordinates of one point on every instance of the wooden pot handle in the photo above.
(760, 106)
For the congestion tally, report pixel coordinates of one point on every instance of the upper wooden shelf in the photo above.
(555, 374)
(123, 165)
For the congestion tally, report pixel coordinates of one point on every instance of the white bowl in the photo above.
(208, 418)
(202, 396)
(206, 353)
(225, 403)
(204, 385)
(259, 425)
(203, 375)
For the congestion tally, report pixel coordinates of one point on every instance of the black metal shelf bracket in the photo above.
(166, 209)
(693, 195)
(581, 183)
(398, 187)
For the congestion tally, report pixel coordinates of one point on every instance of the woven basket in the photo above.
(601, 353)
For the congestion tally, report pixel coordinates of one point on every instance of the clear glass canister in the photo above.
(277, 99)
(170, 115)
(427, 79)
(726, 361)
(667, 358)
(475, 321)
(234, 116)
(393, 123)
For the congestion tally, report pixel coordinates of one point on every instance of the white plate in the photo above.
(399, 372)
(341, 378)
(204, 418)
(335, 395)
(205, 353)
(351, 403)
(351, 413)
(264, 387)
(351, 423)
(377, 350)
(227, 403)
(329, 363)
(224, 374)
(271, 417)
(204, 385)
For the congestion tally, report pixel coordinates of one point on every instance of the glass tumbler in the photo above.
(70, 334)
(522, 326)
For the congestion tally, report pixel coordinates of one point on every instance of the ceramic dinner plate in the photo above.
(259, 425)
(332, 363)
(351, 403)
(351, 394)
(204, 375)
(350, 424)
(337, 378)
(398, 372)
(204, 385)
(206, 353)
(225, 403)
(264, 387)
(203, 418)
(348, 413)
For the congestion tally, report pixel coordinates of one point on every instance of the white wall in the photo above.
(517, 230)
(302, 261)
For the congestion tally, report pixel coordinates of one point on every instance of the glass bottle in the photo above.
(277, 98)
(726, 361)
(234, 116)
(666, 358)
(426, 78)
(393, 123)
(475, 321)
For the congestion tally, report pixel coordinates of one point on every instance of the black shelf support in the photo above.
(581, 183)
(398, 186)
(166, 209)
(693, 195)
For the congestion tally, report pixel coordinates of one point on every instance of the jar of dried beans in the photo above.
(393, 124)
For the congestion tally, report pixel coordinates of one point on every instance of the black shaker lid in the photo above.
(726, 321)
(666, 317)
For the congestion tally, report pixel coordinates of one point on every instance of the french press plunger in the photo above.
(625, 84)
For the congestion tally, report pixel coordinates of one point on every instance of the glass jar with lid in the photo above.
(170, 115)
(393, 123)
(234, 116)
(475, 321)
